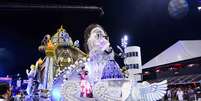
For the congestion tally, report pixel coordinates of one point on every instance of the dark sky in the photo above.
(146, 22)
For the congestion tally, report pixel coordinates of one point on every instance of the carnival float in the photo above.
(68, 74)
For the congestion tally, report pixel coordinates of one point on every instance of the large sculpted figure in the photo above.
(102, 64)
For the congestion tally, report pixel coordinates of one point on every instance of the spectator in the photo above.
(5, 91)
(18, 96)
(169, 95)
(180, 94)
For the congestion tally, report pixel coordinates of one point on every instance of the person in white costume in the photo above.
(180, 94)
(31, 75)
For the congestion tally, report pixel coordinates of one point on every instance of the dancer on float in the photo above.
(31, 75)
(86, 89)
(102, 64)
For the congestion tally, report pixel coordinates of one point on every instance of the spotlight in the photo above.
(146, 72)
(158, 70)
(199, 8)
(125, 37)
(124, 41)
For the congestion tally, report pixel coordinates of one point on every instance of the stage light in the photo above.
(125, 37)
(146, 72)
(190, 65)
(158, 70)
(56, 94)
(199, 8)
(171, 68)
(124, 41)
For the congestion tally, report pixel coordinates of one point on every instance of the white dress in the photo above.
(180, 95)
(31, 76)
(96, 65)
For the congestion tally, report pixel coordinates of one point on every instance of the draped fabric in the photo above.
(48, 77)
(111, 70)
(96, 65)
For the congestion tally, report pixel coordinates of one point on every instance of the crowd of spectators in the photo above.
(174, 93)
(183, 93)
(7, 93)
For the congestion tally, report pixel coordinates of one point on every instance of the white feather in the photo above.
(155, 91)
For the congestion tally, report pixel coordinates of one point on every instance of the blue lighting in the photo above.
(56, 94)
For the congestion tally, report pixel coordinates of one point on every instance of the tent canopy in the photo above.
(180, 51)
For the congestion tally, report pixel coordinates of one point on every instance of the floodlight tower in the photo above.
(132, 60)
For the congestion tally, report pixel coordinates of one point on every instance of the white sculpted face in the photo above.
(98, 39)
(97, 44)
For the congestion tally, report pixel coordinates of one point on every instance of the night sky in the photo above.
(146, 22)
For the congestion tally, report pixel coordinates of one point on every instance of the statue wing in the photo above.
(154, 91)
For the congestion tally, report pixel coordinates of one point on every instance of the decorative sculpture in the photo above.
(102, 64)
